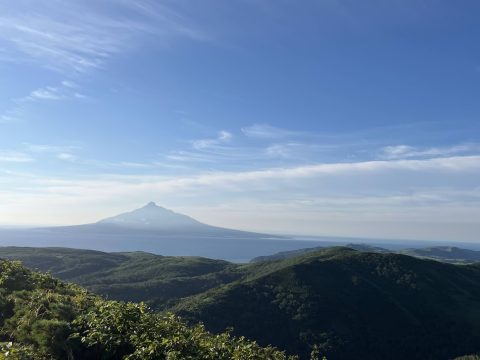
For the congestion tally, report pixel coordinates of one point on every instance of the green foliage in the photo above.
(37, 311)
(337, 302)
(132, 331)
(46, 319)
(348, 305)
(137, 276)
(11, 351)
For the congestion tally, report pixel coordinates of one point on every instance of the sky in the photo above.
(327, 117)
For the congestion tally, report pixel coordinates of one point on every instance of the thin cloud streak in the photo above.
(14, 157)
(223, 137)
(76, 36)
(266, 131)
(66, 90)
(47, 148)
(407, 151)
(166, 185)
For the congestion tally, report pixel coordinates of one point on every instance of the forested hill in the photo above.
(136, 276)
(45, 319)
(353, 305)
(349, 304)
(450, 254)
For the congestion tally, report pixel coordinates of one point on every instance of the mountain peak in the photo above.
(152, 216)
(151, 204)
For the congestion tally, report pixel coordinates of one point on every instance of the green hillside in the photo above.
(348, 304)
(42, 318)
(63, 262)
(138, 276)
(352, 305)
(449, 254)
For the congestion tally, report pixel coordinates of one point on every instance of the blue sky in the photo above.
(328, 117)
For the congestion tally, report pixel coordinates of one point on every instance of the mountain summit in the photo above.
(152, 216)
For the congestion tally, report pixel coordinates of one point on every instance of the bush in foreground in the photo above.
(42, 318)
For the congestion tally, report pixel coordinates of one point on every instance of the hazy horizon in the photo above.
(329, 118)
(290, 235)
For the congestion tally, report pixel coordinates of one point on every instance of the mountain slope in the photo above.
(42, 318)
(448, 254)
(152, 216)
(64, 263)
(138, 276)
(352, 305)
(294, 253)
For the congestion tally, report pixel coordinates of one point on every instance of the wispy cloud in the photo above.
(33, 152)
(69, 84)
(48, 93)
(66, 90)
(79, 36)
(223, 137)
(262, 145)
(14, 157)
(280, 150)
(12, 114)
(406, 151)
(451, 165)
(299, 151)
(266, 131)
(66, 157)
(60, 152)
(50, 148)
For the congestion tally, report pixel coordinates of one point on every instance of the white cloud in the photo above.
(64, 91)
(298, 150)
(78, 36)
(371, 169)
(66, 157)
(397, 150)
(265, 131)
(279, 150)
(69, 84)
(80, 96)
(49, 148)
(12, 115)
(48, 93)
(406, 151)
(14, 157)
(222, 138)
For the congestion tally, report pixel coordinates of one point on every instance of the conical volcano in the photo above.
(152, 216)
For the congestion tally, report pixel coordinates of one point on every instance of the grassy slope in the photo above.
(354, 305)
